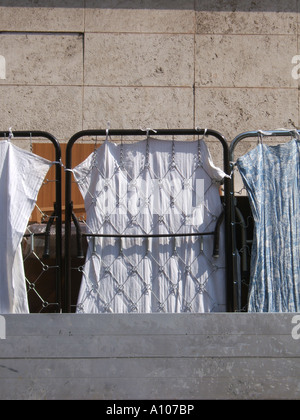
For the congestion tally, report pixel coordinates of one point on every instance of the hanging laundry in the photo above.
(21, 176)
(271, 177)
(146, 188)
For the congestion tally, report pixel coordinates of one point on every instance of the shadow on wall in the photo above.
(205, 5)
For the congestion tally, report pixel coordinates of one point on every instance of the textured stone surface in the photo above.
(161, 356)
(130, 16)
(42, 59)
(234, 111)
(245, 61)
(241, 17)
(128, 107)
(136, 63)
(44, 16)
(56, 109)
(139, 60)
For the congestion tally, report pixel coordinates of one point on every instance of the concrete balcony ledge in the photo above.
(150, 356)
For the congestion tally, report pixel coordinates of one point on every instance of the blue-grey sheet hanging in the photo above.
(271, 178)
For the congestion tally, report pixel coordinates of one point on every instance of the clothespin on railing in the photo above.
(107, 131)
(148, 131)
(10, 134)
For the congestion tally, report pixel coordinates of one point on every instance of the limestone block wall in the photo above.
(73, 65)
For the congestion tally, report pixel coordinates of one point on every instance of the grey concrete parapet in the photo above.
(150, 356)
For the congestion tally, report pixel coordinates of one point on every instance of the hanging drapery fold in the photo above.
(21, 176)
(271, 177)
(151, 188)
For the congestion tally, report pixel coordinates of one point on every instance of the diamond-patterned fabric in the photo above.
(151, 187)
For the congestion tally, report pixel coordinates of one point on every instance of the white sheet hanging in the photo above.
(150, 187)
(21, 176)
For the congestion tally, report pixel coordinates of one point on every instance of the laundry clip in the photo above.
(148, 131)
(107, 131)
(10, 134)
(197, 128)
(296, 133)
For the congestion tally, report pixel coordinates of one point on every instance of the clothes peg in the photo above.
(10, 134)
(107, 130)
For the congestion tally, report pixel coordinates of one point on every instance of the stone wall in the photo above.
(73, 65)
